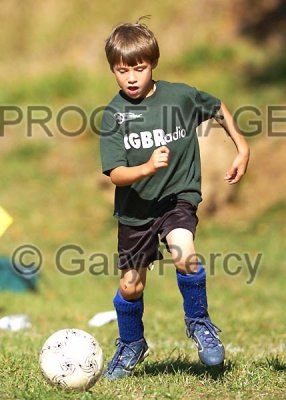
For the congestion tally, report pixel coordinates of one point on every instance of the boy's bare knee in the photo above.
(187, 265)
(131, 290)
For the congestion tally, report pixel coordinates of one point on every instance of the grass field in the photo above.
(251, 316)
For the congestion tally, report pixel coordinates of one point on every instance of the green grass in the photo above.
(56, 200)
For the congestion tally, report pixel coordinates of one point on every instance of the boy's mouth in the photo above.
(132, 89)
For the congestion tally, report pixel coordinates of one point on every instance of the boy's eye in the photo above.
(138, 69)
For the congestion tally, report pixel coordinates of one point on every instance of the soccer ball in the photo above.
(72, 359)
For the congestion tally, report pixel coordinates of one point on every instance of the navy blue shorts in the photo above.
(138, 246)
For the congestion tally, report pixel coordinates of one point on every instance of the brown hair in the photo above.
(132, 44)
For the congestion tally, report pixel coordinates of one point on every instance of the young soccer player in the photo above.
(150, 150)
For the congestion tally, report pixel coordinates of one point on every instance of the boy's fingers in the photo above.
(163, 153)
(161, 157)
(164, 149)
(231, 173)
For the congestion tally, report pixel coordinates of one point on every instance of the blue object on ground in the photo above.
(13, 281)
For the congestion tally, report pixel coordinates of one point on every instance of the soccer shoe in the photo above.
(204, 333)
(125, 359)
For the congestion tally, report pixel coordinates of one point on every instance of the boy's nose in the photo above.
(131, 78)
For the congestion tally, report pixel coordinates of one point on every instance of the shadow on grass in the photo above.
(275, 363)
(179, 365)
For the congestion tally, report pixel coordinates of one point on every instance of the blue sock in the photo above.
(193, 290)
(129, 318)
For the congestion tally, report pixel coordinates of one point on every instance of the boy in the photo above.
(149, 149)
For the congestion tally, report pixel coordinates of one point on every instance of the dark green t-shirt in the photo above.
(132, 129)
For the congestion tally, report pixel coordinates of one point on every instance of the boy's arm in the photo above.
(239, 165)
(126, 176)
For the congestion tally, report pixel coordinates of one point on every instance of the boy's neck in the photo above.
(152, 90)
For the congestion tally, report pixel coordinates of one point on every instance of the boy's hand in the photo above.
(159, 159)
(237, 170)
(126, 176)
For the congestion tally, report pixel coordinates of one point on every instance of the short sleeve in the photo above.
(112, 150)
(206, 105)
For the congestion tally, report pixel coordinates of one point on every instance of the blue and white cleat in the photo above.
(125, 359)
(204, 333)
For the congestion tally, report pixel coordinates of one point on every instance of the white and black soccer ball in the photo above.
(72, 359)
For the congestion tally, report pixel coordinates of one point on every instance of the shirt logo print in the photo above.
(128, 116)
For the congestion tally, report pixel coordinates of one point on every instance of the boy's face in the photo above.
(135, 81)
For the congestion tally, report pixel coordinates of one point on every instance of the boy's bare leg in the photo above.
(131, 344)
(191, 278)
(132, 283)
(181, 244)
